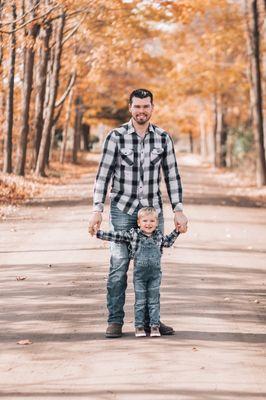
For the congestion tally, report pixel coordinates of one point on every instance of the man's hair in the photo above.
(141, 94)
(147, 210)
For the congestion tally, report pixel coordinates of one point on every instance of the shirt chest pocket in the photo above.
(156, 155)
(127, 156)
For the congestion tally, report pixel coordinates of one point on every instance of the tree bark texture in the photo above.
(65, 132)
(257, 90)
(2, 96)
(77, 129)
(7, 167)
(41, 76)
(26, 95)
(53, 87)
(220, 134)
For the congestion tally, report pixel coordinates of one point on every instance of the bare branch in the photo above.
(21, 17)
(68, 89)
(73, 31)
(31, 20)
(85, 11)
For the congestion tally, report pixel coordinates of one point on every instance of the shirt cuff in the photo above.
(98, 207)
(178, 207)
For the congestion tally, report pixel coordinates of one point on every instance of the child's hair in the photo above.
(147, 210)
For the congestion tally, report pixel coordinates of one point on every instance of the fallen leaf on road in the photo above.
(24, 342)
(21, 278)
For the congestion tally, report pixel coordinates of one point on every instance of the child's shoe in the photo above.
(140, 332)
(155, 332)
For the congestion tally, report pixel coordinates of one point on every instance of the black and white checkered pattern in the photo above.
(132, 237)
(134, 164)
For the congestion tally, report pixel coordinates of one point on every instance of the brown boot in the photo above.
(114, 330)
(166, 330)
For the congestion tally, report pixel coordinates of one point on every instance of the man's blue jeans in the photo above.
(119, 262)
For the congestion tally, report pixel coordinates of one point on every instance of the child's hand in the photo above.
(182, 229)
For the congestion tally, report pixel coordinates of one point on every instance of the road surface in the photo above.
(53, 279)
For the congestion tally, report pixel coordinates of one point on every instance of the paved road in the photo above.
(213, 293)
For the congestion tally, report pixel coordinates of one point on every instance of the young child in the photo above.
(145, 247)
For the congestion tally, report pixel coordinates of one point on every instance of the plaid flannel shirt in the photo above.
(132, 237)
(134, 164)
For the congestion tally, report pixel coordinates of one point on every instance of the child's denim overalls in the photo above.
(147, 280)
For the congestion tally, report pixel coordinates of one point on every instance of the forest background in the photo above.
(67, 68)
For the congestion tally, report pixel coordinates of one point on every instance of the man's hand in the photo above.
(95, 222)
(180, 222)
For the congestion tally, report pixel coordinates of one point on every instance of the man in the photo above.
(133, 156)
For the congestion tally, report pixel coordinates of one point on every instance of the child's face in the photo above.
(148, 223)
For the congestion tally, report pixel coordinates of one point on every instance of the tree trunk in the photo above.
(257, 90)
(229, 155)
(41, 75)
(203, 136)
(65, 132)
(220, 134)
(48, 121)
(53, 133)
(2, 95)
(77, 129)
(51, 144)
(10, 98)
(214, 134)
(85, 130)
(223, 139)
(26, 95)
(191, 143)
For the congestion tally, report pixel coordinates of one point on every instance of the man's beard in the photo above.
(142, 121)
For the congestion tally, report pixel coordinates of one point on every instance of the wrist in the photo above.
(178, 207)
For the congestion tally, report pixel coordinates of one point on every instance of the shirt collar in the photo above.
(131, 129)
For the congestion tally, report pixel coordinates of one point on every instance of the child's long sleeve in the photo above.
(115, 236)
(168, 240)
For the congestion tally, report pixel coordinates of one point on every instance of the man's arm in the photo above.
(168, 240)
(173, 185)
(105, 170)
(115, 236)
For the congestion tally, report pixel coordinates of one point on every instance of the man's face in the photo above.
(141, 110)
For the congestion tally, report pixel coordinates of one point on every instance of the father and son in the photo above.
(133, 156)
